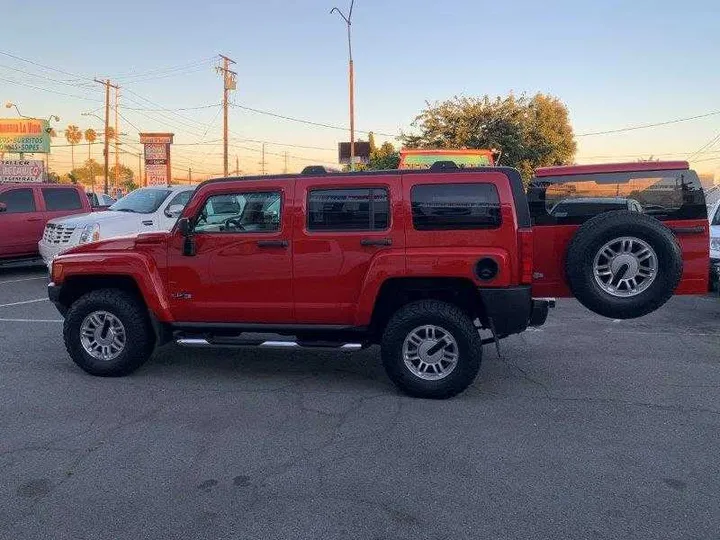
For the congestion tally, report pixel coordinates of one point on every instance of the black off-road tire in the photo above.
(140, 338)
(599, 230)
(452, 319)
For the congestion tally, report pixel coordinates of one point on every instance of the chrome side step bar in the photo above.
(201, 343)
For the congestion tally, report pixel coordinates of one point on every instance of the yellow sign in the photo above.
(24, 135)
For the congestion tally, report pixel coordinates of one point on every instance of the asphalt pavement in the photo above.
(585, 428)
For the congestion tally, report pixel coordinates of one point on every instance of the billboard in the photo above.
(157, 158)
(362, 152)
(22, 171)
(24, 135)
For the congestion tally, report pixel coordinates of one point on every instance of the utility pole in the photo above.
(106, 151)
(140, 180)
(285, 169)
(189, 175)
(262, 163)
(237, 166)
(117, 141)
(348, 22)
(229, 83)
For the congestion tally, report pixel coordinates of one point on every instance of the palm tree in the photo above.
(73, 135)
(91, 137)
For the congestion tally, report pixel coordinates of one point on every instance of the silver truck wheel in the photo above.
(102, 335)
(430, 352)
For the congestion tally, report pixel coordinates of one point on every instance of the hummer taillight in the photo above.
(525, 241)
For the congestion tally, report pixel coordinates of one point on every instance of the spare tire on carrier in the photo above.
(623, 264)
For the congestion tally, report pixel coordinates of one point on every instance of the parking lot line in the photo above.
(23, 279)
(24, 302)
(32, 320)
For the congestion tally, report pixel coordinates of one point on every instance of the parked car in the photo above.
(26, 208)
(100, 200)
(714, 217)
(145, 209)
(410, 260)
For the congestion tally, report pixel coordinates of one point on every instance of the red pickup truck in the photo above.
(416, 261)
(26, 208)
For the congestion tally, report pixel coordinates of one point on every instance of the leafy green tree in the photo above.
(530, 132)
(88, 172)
(385, 157)
(371, 141)
(124, 174)
(73, 135)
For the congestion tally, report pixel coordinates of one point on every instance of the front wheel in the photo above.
(431, 349)
(107, 333)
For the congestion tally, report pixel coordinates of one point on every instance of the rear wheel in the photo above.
(623, 264)
(431, 349)
(107, 333)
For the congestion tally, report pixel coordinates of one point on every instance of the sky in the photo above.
(614, 64)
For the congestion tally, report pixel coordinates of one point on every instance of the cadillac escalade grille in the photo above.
(57, 234)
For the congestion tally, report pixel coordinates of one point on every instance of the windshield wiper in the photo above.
(126, 210)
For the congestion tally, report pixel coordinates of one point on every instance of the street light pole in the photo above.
(351, 73)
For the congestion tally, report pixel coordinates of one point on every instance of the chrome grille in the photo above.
(57, 234)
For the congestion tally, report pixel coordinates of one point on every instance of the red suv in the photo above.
(418, 262)
(26, 208)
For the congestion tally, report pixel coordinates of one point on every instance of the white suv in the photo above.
(145, 209)
(714, 217)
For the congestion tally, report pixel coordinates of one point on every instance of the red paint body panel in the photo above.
(21, 232)
(232, 278)
(143, 262)
(567, 170)
(501, 242)
(331, 268)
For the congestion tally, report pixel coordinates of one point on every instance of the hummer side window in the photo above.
(348, 210)
(240, 212)
(442, 207)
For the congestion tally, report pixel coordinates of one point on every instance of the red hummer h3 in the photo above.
(419, 262)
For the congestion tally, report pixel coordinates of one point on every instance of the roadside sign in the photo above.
(362, 152)
(22, 171)
(24, 135)
(157, 158)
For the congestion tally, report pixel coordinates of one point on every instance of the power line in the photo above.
(643, 126)
(309, 122)
(210, 106)
(74, 75)
(40, 76)
(706, 146)
(161, 71)
(28, 85)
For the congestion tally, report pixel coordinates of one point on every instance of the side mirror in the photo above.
(189, 242)
(174, 210)
(3, 207)
(184, 226)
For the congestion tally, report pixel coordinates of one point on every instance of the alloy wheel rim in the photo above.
(625, 267)
(430, 352)
(103, 336)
